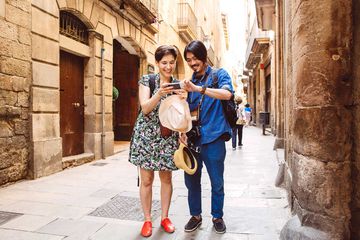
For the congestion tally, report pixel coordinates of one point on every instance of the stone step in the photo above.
(77, 160)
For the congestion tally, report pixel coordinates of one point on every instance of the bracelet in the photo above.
(203, 89)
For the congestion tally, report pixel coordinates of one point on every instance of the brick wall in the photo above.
(15, 74)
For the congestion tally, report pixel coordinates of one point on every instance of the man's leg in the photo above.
(193, 184)
(214, 156)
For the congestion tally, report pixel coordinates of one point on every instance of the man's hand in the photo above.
(190, 87)
(183, 138)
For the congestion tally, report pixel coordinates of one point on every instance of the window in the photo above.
(73, 27)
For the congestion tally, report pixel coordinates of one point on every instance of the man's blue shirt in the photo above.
(212, 119)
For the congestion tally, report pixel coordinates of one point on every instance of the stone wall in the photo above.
(15, 75)
(355, 218)
(279, 76)
(319, 119)
(45, 104)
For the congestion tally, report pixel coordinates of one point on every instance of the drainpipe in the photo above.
(102, 99)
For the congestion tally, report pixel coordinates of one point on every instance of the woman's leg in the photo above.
(147, 178)
(233, 137)
(240, 133)
(166, 192)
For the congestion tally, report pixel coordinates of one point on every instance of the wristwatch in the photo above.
(203, 89)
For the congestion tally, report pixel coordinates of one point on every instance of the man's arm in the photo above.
(221, 94)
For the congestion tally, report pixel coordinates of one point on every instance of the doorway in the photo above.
(125, 79)
(71, 103)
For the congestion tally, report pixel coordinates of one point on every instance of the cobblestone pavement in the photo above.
(92, 201)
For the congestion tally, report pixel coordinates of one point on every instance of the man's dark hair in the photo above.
(165, 50)
(247, 105)
(198, 49)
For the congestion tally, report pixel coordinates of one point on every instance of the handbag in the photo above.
(165, 132)
(240, 121)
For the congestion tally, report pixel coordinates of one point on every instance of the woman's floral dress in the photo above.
(148, 149)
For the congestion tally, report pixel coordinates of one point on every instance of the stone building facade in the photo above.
(15, 82)
(260, 64)
(57, 79)
(316, 64)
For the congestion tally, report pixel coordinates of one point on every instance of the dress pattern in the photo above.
(148, 149)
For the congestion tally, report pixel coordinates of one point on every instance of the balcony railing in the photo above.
(151, 5)
(257, 43)
(211, 56)
(148, 9)
(187, 22)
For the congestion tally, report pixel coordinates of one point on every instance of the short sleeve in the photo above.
(224, 80)
(144, 80)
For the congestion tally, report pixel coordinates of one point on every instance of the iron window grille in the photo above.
(73, 27)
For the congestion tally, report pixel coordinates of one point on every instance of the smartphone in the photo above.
(176, 85)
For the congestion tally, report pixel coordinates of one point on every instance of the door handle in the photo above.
(76, 104)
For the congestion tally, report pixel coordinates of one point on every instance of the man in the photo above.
(214, 128)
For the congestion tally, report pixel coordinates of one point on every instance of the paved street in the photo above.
(99, 200)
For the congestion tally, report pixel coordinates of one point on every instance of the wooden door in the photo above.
(71, 103)
(125, 76)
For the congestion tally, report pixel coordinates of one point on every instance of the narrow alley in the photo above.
(99, 200)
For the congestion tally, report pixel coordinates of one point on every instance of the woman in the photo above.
(248, 112)
(150, 149)
(239, 124)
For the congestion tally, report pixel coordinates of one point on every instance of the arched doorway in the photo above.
(179, 72)
(125, 80)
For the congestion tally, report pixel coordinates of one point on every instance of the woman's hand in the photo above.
(164, 90)
(181, 92)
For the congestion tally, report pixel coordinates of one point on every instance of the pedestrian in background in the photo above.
(204, 99)
(152, 145)
(237, 131)
(248, 112)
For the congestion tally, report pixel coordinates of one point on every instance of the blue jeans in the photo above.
(238, 130)
(213, 156)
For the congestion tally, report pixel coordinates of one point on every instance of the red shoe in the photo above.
(146, 229)
(167, 225)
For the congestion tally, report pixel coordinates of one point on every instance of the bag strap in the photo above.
(202, 97)
(152, 78)
(214, 77)
(215, 82)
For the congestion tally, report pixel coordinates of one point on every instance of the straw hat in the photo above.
(183, 159)
(174, 113)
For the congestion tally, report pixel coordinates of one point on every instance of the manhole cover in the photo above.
(7, 216)
(125, 208)
(98, 164)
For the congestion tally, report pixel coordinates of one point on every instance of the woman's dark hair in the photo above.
(198, 49)
(165, 50)
(247, 105)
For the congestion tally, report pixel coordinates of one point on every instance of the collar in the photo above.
(207, 72)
